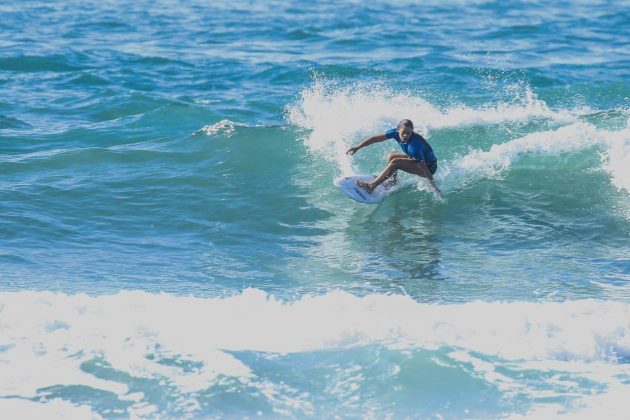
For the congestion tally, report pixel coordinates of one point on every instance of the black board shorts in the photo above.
(432, 167)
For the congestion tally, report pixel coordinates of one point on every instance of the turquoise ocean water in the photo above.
(172, 245)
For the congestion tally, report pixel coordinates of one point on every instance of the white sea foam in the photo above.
(613, 146)
(617, 157)
(483, 164)
(339, 115)
(17, 408)
(223, 127)
(45, 337)
(45, 322)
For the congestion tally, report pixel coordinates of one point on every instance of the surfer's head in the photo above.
(405, 129)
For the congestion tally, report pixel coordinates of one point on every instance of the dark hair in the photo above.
(405, 123)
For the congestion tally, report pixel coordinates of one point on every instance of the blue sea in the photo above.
(172, 244)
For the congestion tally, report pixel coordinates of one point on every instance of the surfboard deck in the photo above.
(348, 185)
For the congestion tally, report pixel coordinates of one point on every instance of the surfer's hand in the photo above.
(351, 151)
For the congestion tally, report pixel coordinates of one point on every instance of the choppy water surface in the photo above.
(171, 244)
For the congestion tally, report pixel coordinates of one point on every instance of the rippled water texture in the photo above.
(169, 227)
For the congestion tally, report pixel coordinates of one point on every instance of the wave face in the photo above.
(171, 242)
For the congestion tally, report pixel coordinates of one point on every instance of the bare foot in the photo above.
(366, 186)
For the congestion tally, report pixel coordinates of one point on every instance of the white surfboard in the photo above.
(348, 185)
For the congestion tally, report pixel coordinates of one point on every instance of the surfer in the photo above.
(417, 159)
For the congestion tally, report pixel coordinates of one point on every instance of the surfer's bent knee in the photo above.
(393, 155)
(397, 161)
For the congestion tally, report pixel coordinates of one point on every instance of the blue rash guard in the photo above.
(416, 148)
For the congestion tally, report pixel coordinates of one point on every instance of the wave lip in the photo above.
(616, 159)
(337, 115)
(480, 164)
(613, 148)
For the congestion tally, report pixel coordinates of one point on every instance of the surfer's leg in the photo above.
(414, 167)
(394, 165)
(418, 168)
(404, 164)
(392, 156)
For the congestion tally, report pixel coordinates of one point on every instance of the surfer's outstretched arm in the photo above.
(370, 140)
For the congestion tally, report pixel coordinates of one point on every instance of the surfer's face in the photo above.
(405, 133)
